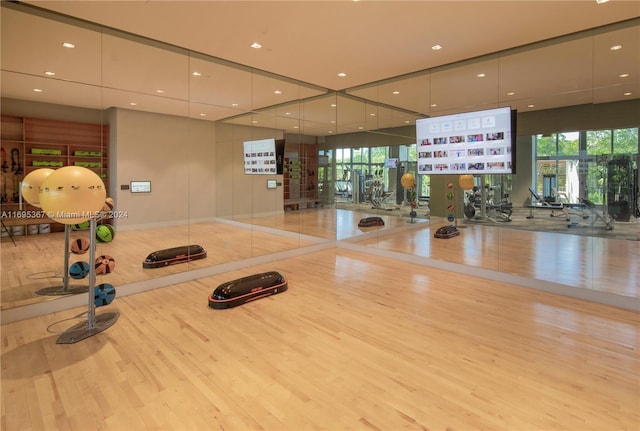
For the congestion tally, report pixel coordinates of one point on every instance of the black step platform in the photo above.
(447, 232)
(172, 256)
(373, 221)
(245, 289)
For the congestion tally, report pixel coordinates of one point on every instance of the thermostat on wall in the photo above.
(140, 186)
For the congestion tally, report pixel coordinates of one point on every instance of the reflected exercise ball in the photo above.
(408, 181)
(72, 195)
(31, 185)
(465, 182)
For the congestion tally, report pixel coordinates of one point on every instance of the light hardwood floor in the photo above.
(358, 342)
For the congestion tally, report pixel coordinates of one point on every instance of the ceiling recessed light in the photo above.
(296, 127)
(602, 1)
(627, 93)
(624, 75)
(406, 121)
(530, 106)
(330, 132)
(49, 73)
(360, 128)
(481, 75)
(511, 93)
(68, 45)
(616, 47)
(342, 74)
(287, 113)
(436, 47)
(278, 92)
(133, 103)
(256, 45)
(333, 105)
(202, 114)
(235, 105)
(196, 73)
(433, 105)
(396, 92)
(160, 91)
(38, 90)
(254, 121)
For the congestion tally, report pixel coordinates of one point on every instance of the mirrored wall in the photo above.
(178, 120)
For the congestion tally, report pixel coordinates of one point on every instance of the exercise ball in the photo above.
(72, 195)
(408, 181)
(108, 205)
(31, 185)
(465, 182)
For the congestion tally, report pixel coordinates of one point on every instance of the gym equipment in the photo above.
(72, 194)
(94, 323)
(105, 264)
(622, 180)
(565, 208)
(371, 222)
(80, 226)
(80, 246)
(79, 270)
(108, 205)
(105, 233)
(246, 289)
(18, 173)
(604, 217)
(171, 256)
(65, 288)
(103, 294)
(445, 232)
(31, 185)
(375, 191)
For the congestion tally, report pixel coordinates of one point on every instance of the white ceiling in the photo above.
(312, 41)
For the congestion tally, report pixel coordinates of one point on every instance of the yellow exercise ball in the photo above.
(31, 183)
(465, 182)
(72, 195)
(408, 181)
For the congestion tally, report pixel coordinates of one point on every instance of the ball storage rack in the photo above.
(65, 289)
(94, 323)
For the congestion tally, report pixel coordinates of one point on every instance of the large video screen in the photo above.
(479, 142)
(260, 157)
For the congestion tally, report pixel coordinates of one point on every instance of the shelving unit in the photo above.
(301, 176)
(32, 143)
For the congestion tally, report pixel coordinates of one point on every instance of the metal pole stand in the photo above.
(94, 324)
(65, 289)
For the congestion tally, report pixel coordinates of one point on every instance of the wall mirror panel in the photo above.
(180, 119)
(158, 105)
(580, 84)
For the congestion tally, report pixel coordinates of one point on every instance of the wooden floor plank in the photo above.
(360, 342)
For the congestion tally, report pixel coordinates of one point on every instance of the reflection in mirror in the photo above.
(577, 82)
(159, 105)
(179, 119)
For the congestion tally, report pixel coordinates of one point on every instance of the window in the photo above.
(571, 165)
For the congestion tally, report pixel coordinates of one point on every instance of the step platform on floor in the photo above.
(172, 256)
(246, 289)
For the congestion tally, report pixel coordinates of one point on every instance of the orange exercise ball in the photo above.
(31, 185)
(408, 181)
(465, 182)
(72, 195)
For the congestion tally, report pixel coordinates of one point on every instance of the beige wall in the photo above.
(176, 154)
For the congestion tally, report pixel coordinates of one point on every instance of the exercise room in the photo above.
(205, 225)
